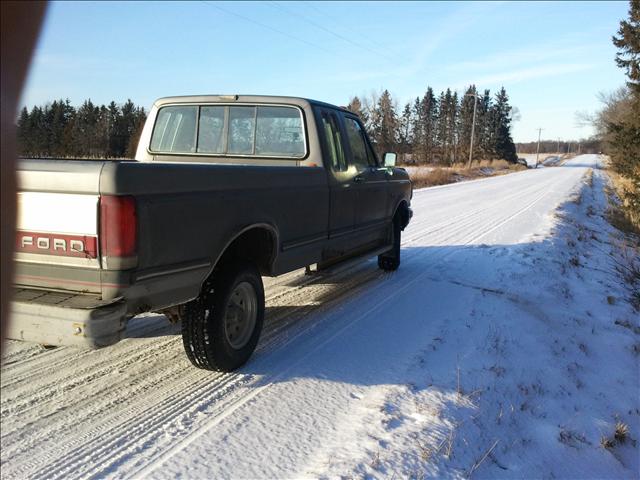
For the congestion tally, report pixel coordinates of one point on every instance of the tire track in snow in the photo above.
(114, 428)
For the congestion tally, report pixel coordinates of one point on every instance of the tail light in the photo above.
(118, 226)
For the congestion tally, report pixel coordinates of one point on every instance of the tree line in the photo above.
(617, 124)
(437, 130)
(591, 145)
(428, 130)
(59, 129)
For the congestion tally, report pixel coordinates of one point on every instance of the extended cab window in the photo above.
(268, 131)
(360, 155)
(333, 139)
(175, 130)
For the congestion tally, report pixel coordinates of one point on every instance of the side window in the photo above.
(334, 141)
(361, 158)
(373, 160)
(175, 130)
(211, 130)
(241, 129)
(279, 132)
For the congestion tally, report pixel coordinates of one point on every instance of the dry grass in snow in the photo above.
(432, 176)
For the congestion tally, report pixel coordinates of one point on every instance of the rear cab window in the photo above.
(230, 130)
(211, 133)
(175, 130)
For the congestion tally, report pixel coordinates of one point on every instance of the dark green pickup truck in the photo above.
(224, 190)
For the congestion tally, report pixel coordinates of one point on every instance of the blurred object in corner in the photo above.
(21, 22)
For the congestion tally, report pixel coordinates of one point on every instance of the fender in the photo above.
(273, 231)
(405, 212)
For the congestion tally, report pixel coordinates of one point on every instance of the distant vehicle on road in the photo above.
(224, 190)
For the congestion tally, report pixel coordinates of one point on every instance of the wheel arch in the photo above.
(257, 243)
(402, 209)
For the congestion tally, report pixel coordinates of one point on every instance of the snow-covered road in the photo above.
(470, 359)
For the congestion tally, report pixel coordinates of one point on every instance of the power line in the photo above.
(335, 34)
(336, 21)
(264, 25)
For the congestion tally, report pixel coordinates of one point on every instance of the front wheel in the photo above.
(390, 260)
(221, 328)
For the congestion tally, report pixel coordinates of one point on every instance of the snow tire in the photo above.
(205, 321)
(390, 261)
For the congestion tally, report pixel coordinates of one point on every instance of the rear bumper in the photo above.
(64, 323)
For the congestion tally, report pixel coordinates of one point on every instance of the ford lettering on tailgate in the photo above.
(57, 244)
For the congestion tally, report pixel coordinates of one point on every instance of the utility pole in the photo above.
(558, 149)
(538, 147)
(473, 124)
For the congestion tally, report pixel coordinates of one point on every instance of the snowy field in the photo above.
(503, 347)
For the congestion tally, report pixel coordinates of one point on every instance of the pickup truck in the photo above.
(223, 190)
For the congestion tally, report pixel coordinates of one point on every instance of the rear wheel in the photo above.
(390, 260)
(221, 328)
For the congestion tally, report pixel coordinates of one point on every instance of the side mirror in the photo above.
(390, 159)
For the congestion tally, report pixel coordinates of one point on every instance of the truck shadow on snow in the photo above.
(364, 324)
(357, 326)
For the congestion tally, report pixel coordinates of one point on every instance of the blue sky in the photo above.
(553, 58)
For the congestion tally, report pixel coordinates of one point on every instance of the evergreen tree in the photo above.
(618, 123)
(102, 132)
(116, 138)
(623, 128)
(628, 43)
(444, 131)
(405, 134)
(418, 128)
(385, 124)
(483, 135)
(61, 115)
(37, 128)
(24, 134)
(426, 126)
(84, 130)
(503, 145)
(453, 110)
(355, 106)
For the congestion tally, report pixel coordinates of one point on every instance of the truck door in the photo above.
(343, 196)
(370, 183)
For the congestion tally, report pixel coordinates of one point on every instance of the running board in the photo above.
(341, 265)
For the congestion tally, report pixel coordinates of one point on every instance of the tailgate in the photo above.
(57, 244)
